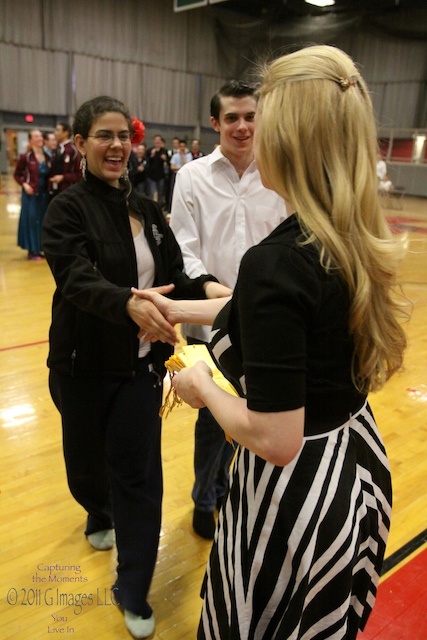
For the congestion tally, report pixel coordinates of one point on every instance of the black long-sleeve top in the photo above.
(88, 243)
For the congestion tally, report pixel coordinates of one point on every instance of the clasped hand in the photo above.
(152, 321)
(157, 315)
(189, 384)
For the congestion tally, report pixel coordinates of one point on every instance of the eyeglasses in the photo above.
(106, 137)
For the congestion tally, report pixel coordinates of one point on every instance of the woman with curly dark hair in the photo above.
(101, 238)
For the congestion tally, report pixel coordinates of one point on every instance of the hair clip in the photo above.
(345, 83)
(138, 134)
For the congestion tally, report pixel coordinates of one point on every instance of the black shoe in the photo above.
(204, 524)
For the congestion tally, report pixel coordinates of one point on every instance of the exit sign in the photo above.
(181, 5)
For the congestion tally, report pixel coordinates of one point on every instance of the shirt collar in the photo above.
(218, 156)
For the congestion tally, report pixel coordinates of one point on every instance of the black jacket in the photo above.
(87, 241)
(156, 165)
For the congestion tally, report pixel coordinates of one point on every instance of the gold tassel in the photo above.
(189, 356)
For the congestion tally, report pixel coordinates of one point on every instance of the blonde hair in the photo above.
(316, 146)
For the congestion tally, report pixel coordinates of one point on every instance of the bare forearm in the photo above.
(201, 312)
(231, 413)
(274, 436)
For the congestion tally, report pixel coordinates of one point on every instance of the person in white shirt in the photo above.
(178, 160)
(219, 210)
(384, 182)
(175, 147)
(180, 157)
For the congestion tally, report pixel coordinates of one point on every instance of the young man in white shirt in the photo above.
(219, 210)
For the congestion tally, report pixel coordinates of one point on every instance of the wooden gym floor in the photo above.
(53, 582)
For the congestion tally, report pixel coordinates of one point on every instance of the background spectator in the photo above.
(137, 164)
(65, 169)
(157, 169)
(31, 172)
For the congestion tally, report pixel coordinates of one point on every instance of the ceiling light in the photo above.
(321, 3)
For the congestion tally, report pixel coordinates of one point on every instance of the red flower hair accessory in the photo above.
(138, 129)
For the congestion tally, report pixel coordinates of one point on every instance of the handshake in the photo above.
(156, 315)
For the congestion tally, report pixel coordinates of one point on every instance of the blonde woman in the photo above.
(312, 327)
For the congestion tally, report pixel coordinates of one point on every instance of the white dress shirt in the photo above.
(217, 216)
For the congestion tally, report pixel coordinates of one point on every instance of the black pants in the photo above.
(111, 438)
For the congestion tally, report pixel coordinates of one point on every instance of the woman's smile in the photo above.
(106, 148)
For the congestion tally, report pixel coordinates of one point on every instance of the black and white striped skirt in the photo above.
(298, 549)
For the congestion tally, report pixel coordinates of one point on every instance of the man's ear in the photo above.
(215, 124)
(80, 143)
